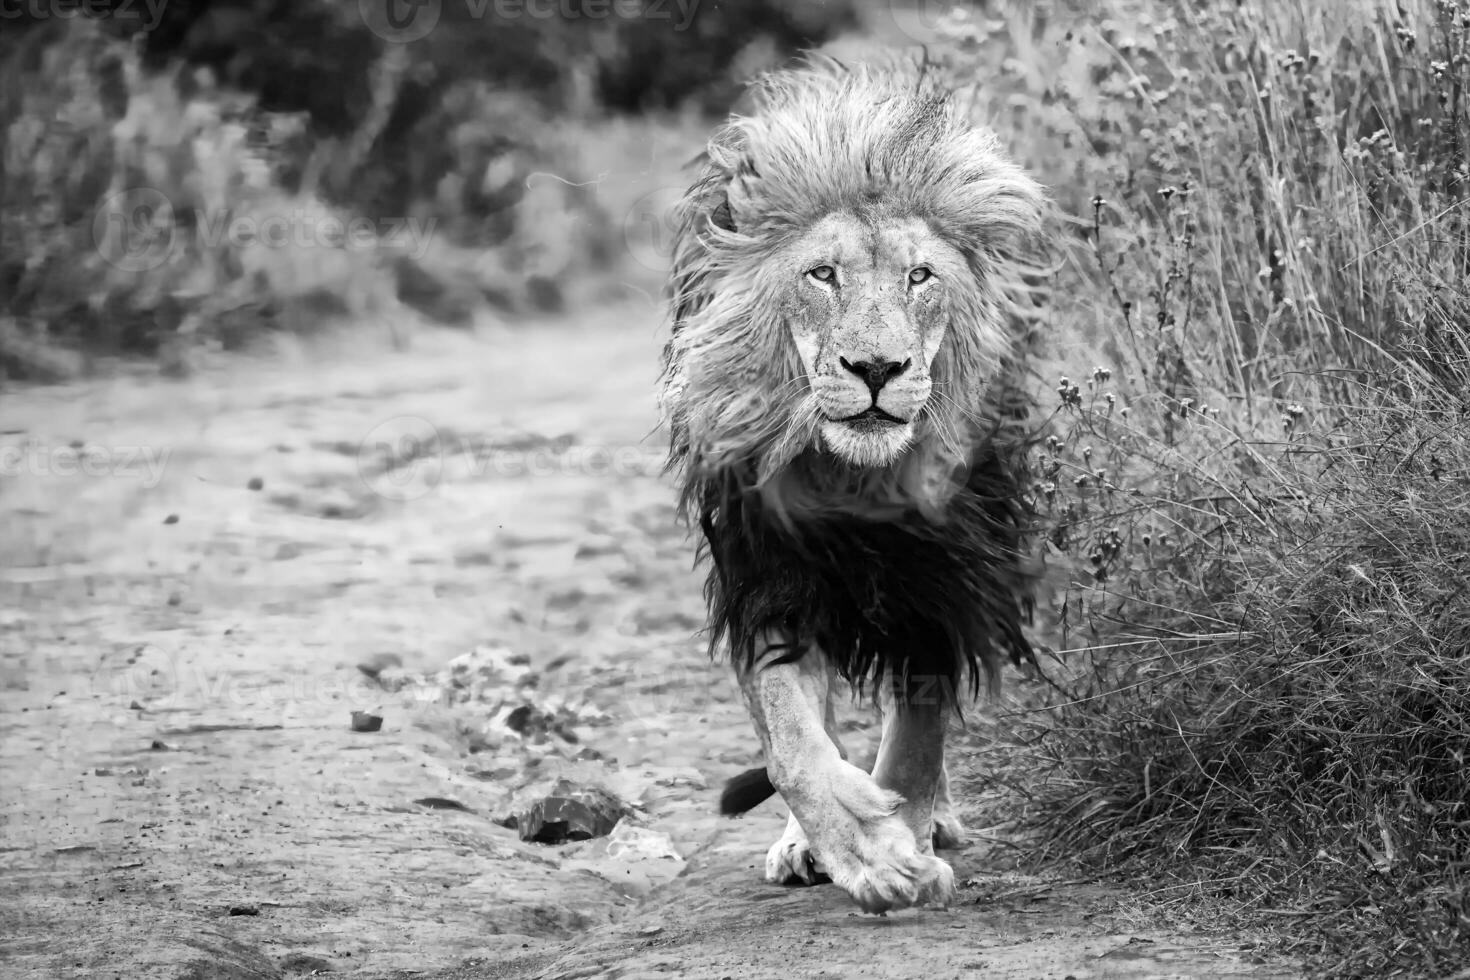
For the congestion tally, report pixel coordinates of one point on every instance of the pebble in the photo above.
(570, 813)
(379, 662)
(366, 721)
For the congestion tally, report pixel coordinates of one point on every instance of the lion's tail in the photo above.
(746, 791)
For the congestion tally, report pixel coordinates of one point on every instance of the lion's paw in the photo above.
(869, 851)
(790, 859)
(897, 881)
(949, 833)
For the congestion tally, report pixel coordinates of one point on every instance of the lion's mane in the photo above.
(915, 569)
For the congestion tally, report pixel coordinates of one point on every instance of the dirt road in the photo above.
(191, 573)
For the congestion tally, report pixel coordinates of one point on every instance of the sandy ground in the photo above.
(191, 572)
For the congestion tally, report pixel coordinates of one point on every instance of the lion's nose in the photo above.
(876, 374)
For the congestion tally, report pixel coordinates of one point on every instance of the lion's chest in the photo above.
(902, 592)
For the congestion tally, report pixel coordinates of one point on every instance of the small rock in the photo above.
(256, 483)
(442, 803)
(535, 723)
(379, 662)
(305, 963)
(570, 813)
(171, 519)
(395, 679)
(131, 771)
(158, 745)
(175, 598)
(135, 706)
(366, 721)
(641, 844)
(287, 550)
(634, 860)
(500, 774)
(244, 910)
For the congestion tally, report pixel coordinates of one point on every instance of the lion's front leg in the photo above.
(949, 832)
(790, 859)
(911, 763)
(855, 834)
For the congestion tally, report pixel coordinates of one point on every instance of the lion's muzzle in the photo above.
(874, 391)
(870, 405)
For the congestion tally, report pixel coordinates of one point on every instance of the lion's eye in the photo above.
(823, 273)
(921, 274)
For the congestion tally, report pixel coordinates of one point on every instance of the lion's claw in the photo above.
(790, 859)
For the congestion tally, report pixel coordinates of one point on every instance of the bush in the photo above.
(1256, 488)
(119, 193)
(483, 132)
(1275, 702)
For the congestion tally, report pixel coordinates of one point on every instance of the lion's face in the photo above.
(865, 307)
(846, 279)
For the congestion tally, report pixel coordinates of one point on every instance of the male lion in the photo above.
(838, 392)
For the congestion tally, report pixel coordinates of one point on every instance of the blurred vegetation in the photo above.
(1258, 482)
(491, 131)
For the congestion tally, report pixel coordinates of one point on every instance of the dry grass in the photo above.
(1288, 727)
(1259, 503)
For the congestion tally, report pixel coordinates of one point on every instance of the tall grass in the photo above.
(1258, 486)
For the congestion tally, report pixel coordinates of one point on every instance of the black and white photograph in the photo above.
(735, 489)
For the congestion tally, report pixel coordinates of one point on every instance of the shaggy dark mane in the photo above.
(885, 593)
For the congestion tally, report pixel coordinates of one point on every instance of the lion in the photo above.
(841, 389)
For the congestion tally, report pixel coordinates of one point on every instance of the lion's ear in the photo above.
(722, 216)
(729, 168)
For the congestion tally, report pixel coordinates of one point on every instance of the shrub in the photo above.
(1256, 485)
(119, 193)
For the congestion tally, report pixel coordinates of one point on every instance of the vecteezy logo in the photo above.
(923, 21)
(649, 227)
(401, 459)
(133, 230)
(400, 21)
